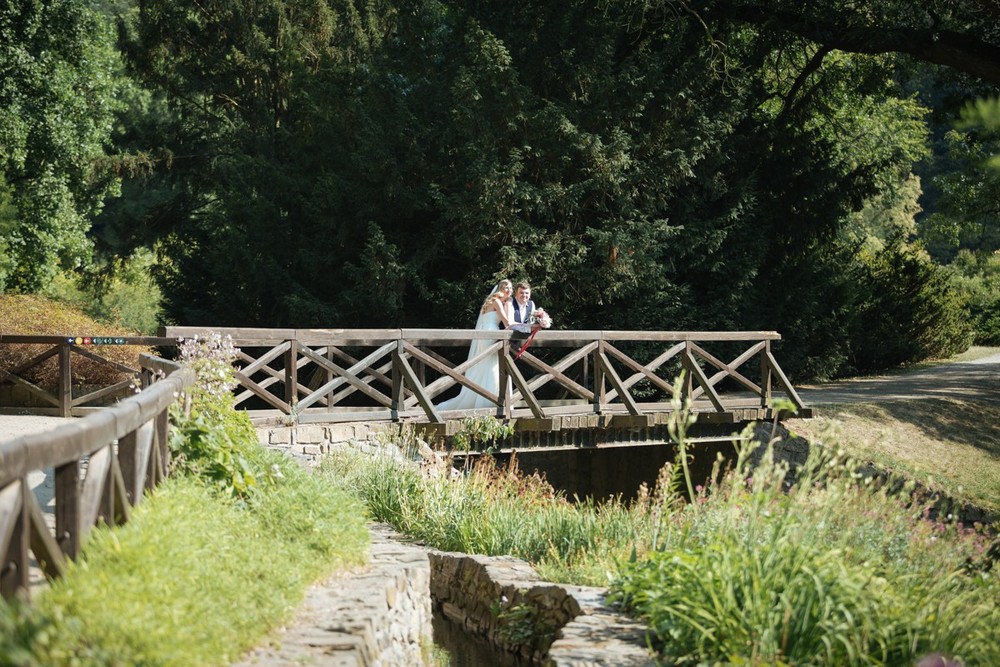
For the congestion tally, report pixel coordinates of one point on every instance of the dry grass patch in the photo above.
(950, 445)
(32, 315)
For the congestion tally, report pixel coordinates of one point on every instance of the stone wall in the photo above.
(310, 442)
(503, 599)
(379, 615)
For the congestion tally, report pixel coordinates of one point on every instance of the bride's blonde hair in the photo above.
(498, 295)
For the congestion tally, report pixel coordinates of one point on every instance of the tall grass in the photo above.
(753, 569)
(826, 572)
(495, 511)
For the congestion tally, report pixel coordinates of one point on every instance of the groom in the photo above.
(523, 307)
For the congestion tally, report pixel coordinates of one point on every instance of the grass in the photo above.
(494, 512)
(195, 578)
(950, 445)
(827, 572)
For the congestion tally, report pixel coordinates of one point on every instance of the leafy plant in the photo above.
(522, 624)
(481, 432)
(209, 438)
(828, 571)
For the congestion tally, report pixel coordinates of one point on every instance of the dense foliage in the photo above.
(59, 83)
(828, 571)
(352, 162)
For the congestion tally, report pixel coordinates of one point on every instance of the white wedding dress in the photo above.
(486, 373)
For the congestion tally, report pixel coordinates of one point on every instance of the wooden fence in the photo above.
(101, 465)
(65, 399)
(330, 375)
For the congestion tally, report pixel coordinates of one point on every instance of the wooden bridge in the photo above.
(572, 382)
(330, 375)
(335, 375)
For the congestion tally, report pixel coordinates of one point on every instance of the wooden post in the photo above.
(328, 375)
(14, 566)
(65, 381)
(765, 376)
(397, 380)
(162, 443)
(127, 445)
(506, 395)
(688, 388)
(598, 379)
(67, 512)
(292, 373)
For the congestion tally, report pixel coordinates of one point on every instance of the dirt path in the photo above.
(976, 380)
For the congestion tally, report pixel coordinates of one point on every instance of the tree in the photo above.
(360, 164)
(58, 82)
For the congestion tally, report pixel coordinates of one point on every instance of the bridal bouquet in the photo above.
(539, 318)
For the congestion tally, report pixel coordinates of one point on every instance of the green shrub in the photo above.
(122, 294)
(481, 433)
(210, 439)
(908, 309)
(977, 276)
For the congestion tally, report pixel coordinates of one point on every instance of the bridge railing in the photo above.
(68, 396)
(324, 375)
(101, 465)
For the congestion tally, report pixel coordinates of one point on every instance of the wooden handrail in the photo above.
(126, 450)
(329, 375)
(398, 377)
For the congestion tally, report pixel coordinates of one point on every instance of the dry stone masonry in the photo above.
(380, 616)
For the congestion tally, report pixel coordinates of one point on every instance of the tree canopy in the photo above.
(646, 165)
(962, 35)
(58, 82)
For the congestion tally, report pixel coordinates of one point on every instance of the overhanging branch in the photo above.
(963, 51)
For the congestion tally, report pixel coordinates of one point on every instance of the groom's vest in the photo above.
(528, 307)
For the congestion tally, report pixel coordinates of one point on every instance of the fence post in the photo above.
(292, 373)
(397, 380)
(67, 510)
(65, 381)
(506, 394)
(688, 387)
(14, 563)
(765, 376)
(599, 395)
(328, 377)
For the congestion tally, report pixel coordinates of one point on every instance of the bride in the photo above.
(497, 310)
